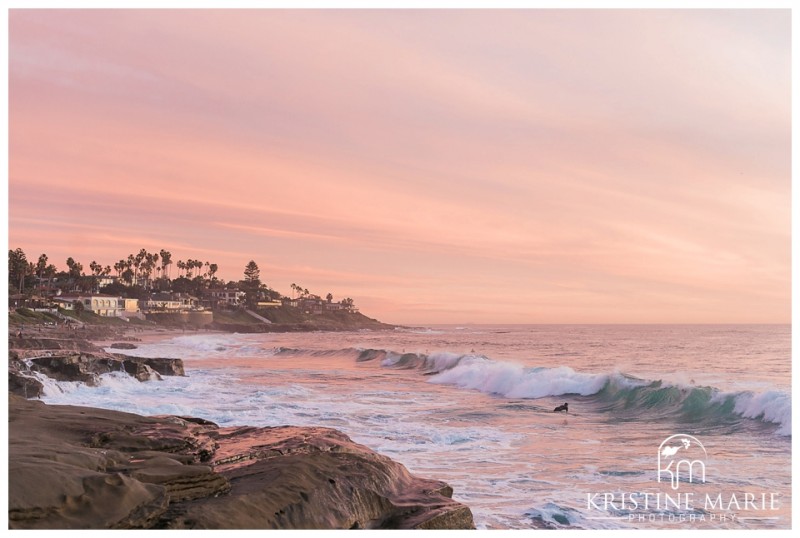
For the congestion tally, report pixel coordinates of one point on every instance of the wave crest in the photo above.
(616, 393)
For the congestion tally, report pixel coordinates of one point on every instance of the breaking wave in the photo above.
(621, 396)
(616, 393)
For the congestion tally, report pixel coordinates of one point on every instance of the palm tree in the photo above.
(129, 263)
(75, 272)
(166, 261)
(152, 264)
(147, 268)
(138, 260)
(50, 272)
(127, 275)
(97, 270)
(41, 266)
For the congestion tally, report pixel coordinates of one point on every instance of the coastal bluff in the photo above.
(86, 468)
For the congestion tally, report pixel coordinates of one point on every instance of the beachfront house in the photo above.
(102, 281)
(227, 297)
(97, 303)
(294, 303)
(312, 304)
(171, 302)
(269, 304)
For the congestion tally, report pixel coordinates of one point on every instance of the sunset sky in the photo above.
(437, 166)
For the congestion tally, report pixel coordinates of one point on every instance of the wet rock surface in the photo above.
(65, 359)
(73, 467)
(123, 345)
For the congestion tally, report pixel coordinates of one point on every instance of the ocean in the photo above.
(669, 426)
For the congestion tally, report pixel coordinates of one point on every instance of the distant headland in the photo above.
(140, 291)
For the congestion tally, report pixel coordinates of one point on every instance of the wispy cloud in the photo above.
(555, 165)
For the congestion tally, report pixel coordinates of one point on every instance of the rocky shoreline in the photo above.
(87, 468)
(75, 359)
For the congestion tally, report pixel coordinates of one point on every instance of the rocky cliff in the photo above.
(72, 467)
(74, 359)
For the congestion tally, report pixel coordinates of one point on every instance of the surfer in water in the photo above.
(560, 408)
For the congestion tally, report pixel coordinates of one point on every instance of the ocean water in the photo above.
(709, 406)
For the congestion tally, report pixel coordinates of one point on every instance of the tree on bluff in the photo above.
(252, 282)
(252, 274)
(17, 269)
(78, 308)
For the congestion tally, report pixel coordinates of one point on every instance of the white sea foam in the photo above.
(445, 360)
(53, 388)
(771, 406)
(204, 345)
(512, 380)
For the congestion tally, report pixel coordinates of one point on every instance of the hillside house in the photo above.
(171, 302)
(226, 297)
(269, 304)
(98, 303)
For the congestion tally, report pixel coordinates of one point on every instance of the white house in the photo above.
(227, 297)
(269, 304)
(98, 303)
(104, 280)
(176, 302)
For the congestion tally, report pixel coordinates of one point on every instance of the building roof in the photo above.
(86, 296)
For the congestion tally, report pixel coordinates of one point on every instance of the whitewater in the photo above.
(473, 406)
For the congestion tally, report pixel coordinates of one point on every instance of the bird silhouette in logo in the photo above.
(668, 451)
(687, 466)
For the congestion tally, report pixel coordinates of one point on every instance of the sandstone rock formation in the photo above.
(23, 384)
(123, 345)
(75, 360)
(72, 467)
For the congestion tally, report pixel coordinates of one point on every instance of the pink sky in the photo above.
(436, 166)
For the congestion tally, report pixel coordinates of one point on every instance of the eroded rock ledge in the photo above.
(65, 359)
(73, 467)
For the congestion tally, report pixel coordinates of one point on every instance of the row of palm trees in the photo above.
(142, 269)
(303, 292)
(145, 267)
